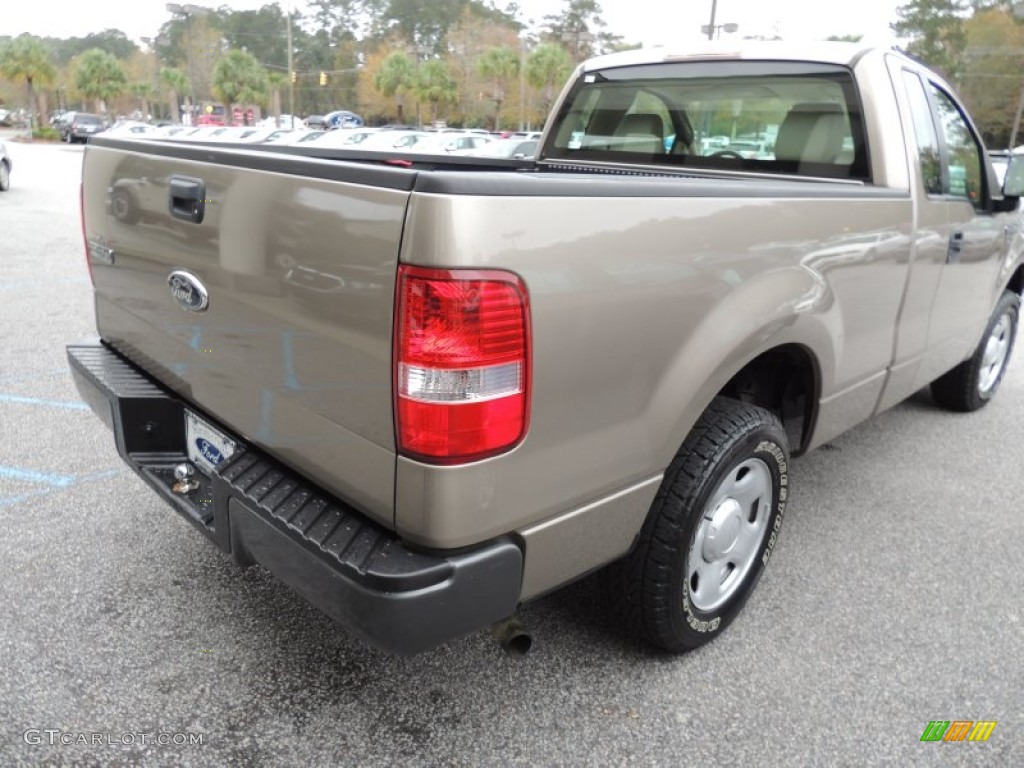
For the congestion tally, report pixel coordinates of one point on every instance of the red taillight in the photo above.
(462, 363)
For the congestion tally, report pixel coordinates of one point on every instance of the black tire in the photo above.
(654, 585)
(973, 383)
(5, 176)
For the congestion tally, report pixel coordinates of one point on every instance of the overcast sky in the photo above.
(649, 21)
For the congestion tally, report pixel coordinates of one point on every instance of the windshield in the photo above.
(766, 116)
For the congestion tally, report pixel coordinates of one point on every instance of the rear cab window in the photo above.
(793, 118)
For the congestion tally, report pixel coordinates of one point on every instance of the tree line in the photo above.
(466, 62)
(979, 47)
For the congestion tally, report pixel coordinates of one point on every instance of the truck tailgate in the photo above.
(297, 258)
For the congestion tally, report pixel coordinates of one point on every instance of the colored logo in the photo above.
(209, 451)
(187, 291)
(958, 730)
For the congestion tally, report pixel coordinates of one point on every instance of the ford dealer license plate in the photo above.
(207, 446)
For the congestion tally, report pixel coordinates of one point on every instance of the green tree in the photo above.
(26, 58)
(935, 30)
(239, 79)
(435, 86)
(113, 41)
(580, 29)
(261, 33)
(396, 77)
(499, 66)
(547, 68)
(176, 83)
(991, 76)
(427, 22)
(100, 76)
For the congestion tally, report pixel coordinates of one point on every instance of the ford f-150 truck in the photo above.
(423, 390)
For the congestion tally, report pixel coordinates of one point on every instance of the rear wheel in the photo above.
(710, 531)
(974, 382)
(5, 177)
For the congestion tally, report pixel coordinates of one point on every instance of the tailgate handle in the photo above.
(188, 198)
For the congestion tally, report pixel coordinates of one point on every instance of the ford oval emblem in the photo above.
(187, 291)
(209, 451)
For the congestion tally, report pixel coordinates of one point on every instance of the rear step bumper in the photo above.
(354, 570)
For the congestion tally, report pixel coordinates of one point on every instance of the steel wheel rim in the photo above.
(729, 536)
(997, 349)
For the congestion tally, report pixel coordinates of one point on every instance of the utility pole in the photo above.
(711, 26)
(291, 72)
(522, 82)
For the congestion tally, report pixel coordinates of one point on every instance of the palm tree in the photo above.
(238, 78)
(396, 75)
(100, 76)
(26, 57)
(500, 66)
(144, 92)
(176, 84)
(436, 86)
(547, 68)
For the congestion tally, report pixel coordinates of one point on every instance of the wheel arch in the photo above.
(785, 380)
(1016, 282)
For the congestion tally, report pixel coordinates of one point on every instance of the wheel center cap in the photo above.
(723, 530)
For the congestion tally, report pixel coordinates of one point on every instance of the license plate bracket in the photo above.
(207, 446)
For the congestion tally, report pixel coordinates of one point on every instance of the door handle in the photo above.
(187, 198)
(956, 242)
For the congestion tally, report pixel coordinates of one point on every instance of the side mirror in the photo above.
(1013, 183)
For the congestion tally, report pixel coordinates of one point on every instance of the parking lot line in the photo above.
(18, 473)
(54, 487)
(22, 400)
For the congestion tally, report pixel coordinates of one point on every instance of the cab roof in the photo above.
(843, 54)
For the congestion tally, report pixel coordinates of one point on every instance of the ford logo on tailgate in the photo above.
(187, 291)
(209, 451)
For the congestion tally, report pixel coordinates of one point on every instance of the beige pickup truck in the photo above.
(424, 390)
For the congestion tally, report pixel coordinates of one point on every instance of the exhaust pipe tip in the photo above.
(513, 637)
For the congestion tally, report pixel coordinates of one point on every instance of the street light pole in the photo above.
(711, 26)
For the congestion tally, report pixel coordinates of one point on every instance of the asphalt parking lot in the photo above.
(895, 597)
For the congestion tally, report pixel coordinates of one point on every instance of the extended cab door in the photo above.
(960, 239)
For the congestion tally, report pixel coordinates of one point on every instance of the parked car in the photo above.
(79, 126)
(315, 122)
(132, 128)
(5, 167)
(514, 149)
(345, 139)
(385, 141)
(444, 143)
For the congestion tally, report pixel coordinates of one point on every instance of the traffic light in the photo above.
(323, 78)
(295, 77)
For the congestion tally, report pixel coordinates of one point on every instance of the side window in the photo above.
(924, 130)
(963, 152)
